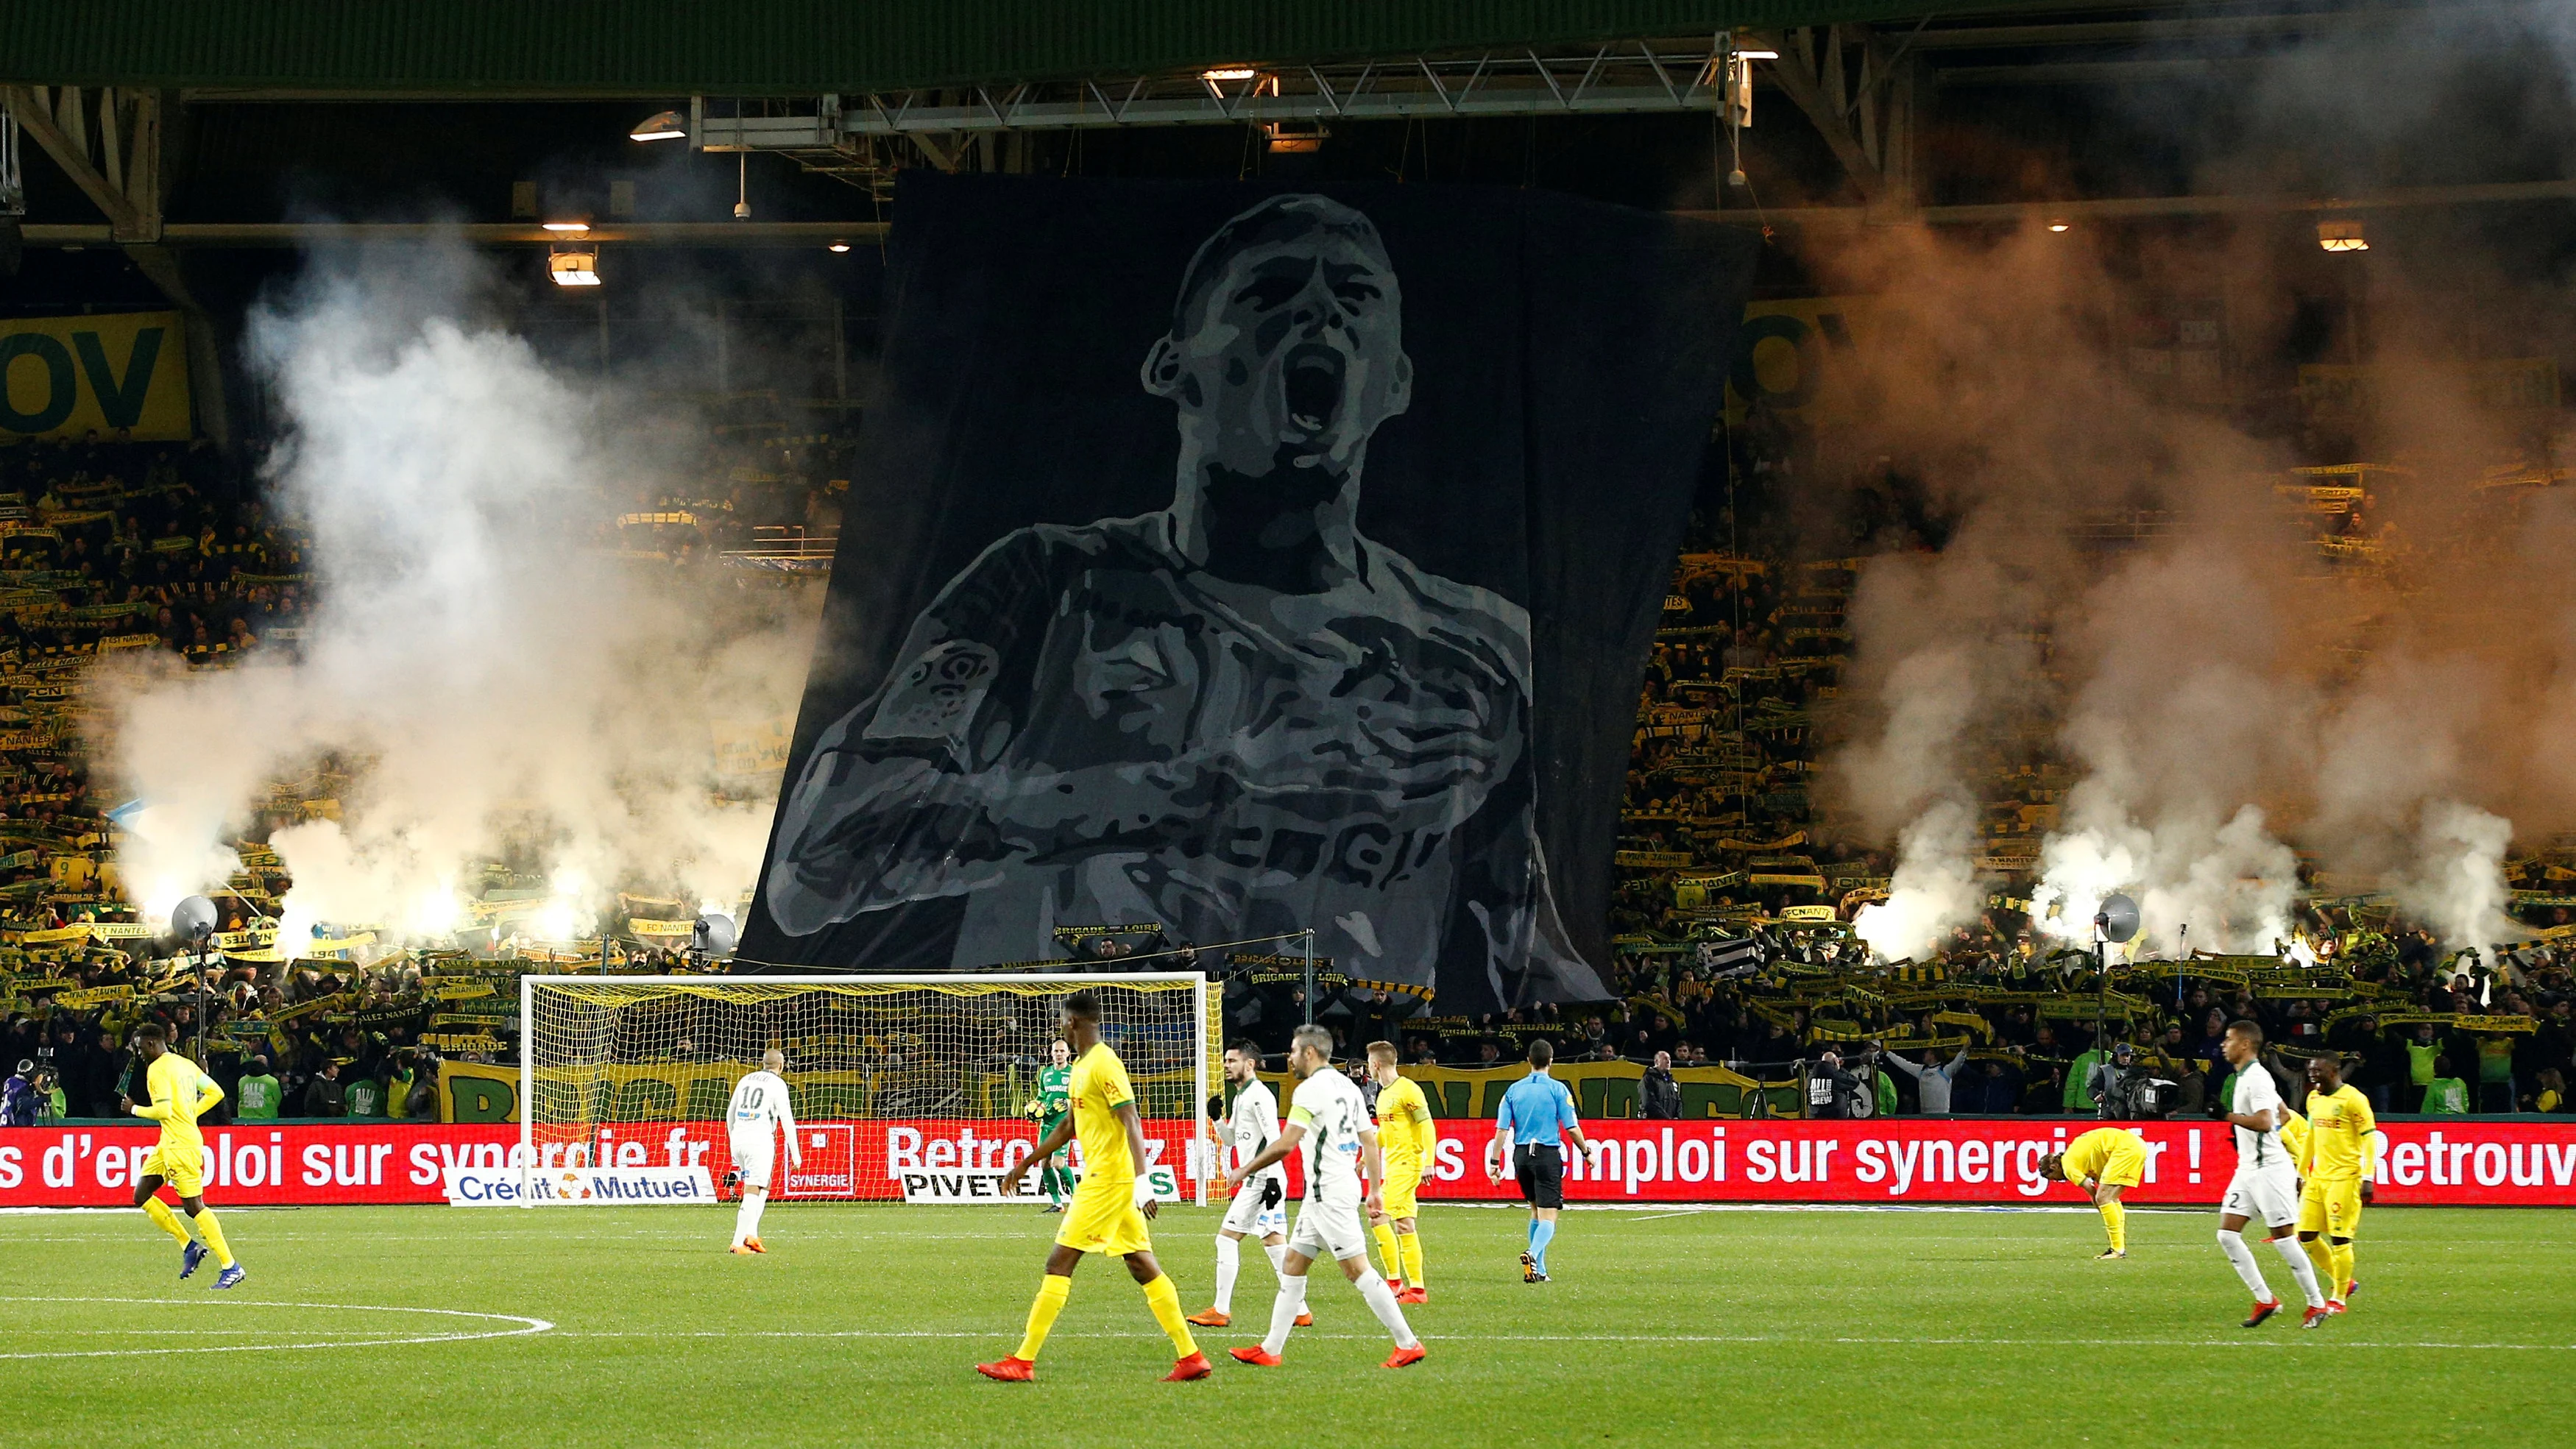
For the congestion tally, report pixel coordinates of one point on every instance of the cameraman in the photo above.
(2115, 1086)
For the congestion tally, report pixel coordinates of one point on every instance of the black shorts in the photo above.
(1541, 1170)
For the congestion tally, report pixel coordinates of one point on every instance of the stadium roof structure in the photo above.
(466, 48)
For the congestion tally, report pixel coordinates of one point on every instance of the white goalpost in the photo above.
(886, 1070)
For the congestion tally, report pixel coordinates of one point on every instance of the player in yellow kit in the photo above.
(2103, 1161)
(2335, 1164)
(180, 1095)
(1110, 1206)
(1404, 1130)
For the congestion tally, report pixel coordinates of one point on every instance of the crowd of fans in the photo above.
(1730, 921)
(107, 546)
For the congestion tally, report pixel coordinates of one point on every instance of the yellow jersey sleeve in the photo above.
(1426, 1135)
(2296, 1137)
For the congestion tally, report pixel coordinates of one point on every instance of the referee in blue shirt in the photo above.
(1527, 1131)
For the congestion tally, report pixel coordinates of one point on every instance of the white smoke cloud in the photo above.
(499, 684)
(2458, 883)
(2218, 689)
(1935, 887)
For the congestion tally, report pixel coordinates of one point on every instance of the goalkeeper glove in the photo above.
(1271, 1193)
(1216, 1108)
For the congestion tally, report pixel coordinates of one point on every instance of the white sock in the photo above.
(2301, 1268)
(1229, 1261)
(1381, 1301)
(1283, 1313)
(748, 1223)
(2241, 1258)
(1278, 1257)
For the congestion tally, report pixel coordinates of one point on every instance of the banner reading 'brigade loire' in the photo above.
(1229, 560)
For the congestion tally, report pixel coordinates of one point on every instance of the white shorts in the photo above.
(1327, 1229)
(2267, 1195)
(752, 1157)
(1246, 1215)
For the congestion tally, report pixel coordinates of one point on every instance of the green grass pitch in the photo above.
(863, 1323)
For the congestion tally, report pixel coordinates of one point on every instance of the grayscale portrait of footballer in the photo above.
(1233, 717)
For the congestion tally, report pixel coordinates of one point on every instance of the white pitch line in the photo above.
(998, 1334)
(526, 1326)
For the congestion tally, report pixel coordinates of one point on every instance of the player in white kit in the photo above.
(1260, 1206)
(754, 1117)
(1330, 1117)
(2265, 1188)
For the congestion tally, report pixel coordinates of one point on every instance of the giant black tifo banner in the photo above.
(1232, 559)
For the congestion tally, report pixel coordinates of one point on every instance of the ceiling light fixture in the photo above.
(1228, 73)
(660, 126)
(840, 246)
(570, 226)
(2057, 226)
(574, 264)
(2341, 236)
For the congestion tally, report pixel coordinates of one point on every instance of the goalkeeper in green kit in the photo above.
(1054, 1099)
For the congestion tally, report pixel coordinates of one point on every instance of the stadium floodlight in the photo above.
(898, 1068)
(660, 126)
(572, 227)
(1228, 73)
(712, 934)
(2117, 918)
(193, 920)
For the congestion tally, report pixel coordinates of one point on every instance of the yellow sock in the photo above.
(214, 1235)
(2116, 1218)
(1052, 1291)
(1386, 1254)
(1408, 1246)
(1165, 1300)
(2321, 1257)
(2342, 1255)
(166, 1220)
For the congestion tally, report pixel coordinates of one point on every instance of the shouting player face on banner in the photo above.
(1237, 716)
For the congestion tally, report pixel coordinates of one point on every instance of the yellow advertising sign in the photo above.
(751, 747)
(63, 377)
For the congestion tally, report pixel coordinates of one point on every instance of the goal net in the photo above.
(887, 1073)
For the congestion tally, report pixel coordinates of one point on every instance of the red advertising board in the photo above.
(1914, 1160)
(251, 1163)
(1902, 1160)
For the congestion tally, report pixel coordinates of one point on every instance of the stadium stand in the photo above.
(1730, 920)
